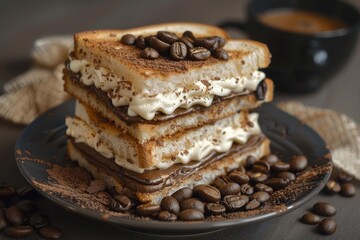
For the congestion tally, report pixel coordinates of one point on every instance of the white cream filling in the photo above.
(201, 92)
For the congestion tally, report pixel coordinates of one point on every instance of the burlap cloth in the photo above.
(41, 88)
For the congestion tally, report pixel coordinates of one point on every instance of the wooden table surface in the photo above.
(21, 22)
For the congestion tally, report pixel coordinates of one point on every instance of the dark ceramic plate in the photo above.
(45, 140)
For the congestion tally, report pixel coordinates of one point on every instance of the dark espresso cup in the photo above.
(302, 62)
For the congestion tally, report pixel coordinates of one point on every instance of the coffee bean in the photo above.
(147, 209)
(239, 177)
(206, 42)
(19, 231)
(221, 181)
(332, 187)
(298, 163)
(261, 166)
(50, 232)
(277, 183)
(128, 39)
(120, 203)
(348, 190)
(271, 158)
(189, 34)
(327, 226)
(187, 41)
(167, 37)
(26, 206)
(38, 220)
(235, 202)
(280, 167)
(253, 204)
(3, 223)
(160, 46)
(2, 204)
(246, 189)
(170, 204)
(167, 216)
(183, 194)
(96, 186)
(192, 203)
(14, 215)
(7, 191)
(199, 53)
(215, 208)
(178, 51)
(250, 160)
(257, 177)
(263, 187)
(28, 192)
(288, 175)
(261, 90)
(2, 214)
(241, 169)
(324, 209)
(220, 41)
(261, 196)
(149, 53)
(207, 193)
(230, 189)
(220, 53)
(191, 215)
(310, 218)
(344, 177)
(140, 42)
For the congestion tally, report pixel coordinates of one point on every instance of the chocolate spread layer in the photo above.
(157, 179)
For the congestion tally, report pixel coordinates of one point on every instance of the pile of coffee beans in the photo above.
(326, 226)
(186, 47)
(341, 184)
(19, 216)
(247, 188)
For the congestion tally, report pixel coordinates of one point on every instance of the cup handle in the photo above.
(238, 25)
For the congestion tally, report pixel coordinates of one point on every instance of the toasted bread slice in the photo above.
(202, 175)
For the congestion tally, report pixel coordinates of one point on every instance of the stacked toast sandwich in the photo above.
(149, 127)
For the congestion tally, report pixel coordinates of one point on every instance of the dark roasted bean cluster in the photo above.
(19, 216)
(178, 48)
(246, 188)
(341, 183)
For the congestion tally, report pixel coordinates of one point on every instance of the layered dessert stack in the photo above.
(164, 107)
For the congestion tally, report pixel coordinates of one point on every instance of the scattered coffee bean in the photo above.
(230, 189)
(192, 203)
(215, 208)
(220, 53)
(221, 181)
(199, 53)
(26, 206)
(167, 216)
(207, 193)
(191, 215)
(206, 42)
(221, 41)
(327, 226)
(147, 209)
(235, 202)
(324, 209)
(27, 193)
(246, 189)
(128, 39)
(261, 196)
(160, 46)
(19, 231)
(96, 186)
(14, 215)
(257, 177)
(310, 218)
(348, 190)
(140, 42)
(241, 169)
(178, 51)
(239, 177)
(50, 232)
(189, 34)
(253, 204)
(261, 90)
(288, 175)
(183, 194)
(38, 220)
(261, 166)
(344, 177)
(332, 187)
(167, 37)
(250, 160)
(280, 167)
(120, 203)
(187, 41)
(298, 163)
(170, 204)
(149, 53)
(271, 158)
(3, 223)
(263, 187)
(277, 183)
(7, 191)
